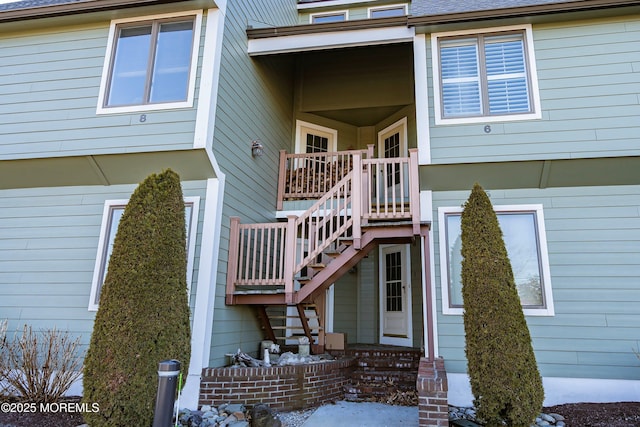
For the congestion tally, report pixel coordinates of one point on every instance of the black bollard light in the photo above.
(168, 371)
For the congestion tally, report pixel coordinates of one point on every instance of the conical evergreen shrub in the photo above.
(143, 316)
(502, 367)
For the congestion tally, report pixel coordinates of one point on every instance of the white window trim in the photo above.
(330, 3)
(548, 310)
(300, 141)
(101, 109)
(389, 6)
(96, 286)
(334, 12)
(533, 78)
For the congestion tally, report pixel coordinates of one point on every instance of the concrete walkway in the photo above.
(363, 414)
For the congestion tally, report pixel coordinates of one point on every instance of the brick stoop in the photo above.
(381, 372)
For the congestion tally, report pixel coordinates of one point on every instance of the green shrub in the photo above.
(143, 316)
(502, 367)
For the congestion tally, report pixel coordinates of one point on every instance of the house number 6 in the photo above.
(487, 129)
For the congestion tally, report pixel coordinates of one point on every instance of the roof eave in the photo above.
(575, 7)
(82, 7)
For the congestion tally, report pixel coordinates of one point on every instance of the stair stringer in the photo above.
(340, 265)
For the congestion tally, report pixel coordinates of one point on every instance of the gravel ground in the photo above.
(294, 418)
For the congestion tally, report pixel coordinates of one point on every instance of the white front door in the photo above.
(395, 296)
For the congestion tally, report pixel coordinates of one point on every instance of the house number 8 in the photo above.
(143, 118)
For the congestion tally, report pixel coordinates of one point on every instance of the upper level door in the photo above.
(392, 143)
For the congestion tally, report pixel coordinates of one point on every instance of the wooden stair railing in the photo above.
(267, 259)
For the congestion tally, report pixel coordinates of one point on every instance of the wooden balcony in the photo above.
(368, 201)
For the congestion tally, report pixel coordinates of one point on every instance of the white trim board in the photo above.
(328, 40)
(558, 390)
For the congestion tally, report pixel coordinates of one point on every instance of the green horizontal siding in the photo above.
(254, 102)
(48, 245)
(593, 238)
(588, 78)
(50, 82)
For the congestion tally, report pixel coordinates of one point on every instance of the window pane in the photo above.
(454, 258)
(520, 233)
(460, 78)
(171, 67)
(320, 19)
(385, 13)
(506, 75)
(129, 71)
(461, 99)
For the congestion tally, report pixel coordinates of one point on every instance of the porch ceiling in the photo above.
(624, 170)
(105, 169)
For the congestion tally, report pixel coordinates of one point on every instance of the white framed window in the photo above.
(485, 76)
(324, 17)
(526, 241)
(111, 215)
(150, 63)
(387, 11)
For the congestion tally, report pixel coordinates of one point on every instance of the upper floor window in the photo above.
(150, 64)
(321, 18)
(525, 239)
(388, 11)
(113, 210)
(485, 76)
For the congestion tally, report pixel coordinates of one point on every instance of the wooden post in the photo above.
(356, 200)
(414, 190)
(289, 258)
(232, 264)
(282, 174)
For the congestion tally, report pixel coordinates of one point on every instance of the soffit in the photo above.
(106, 169)
(532, 174)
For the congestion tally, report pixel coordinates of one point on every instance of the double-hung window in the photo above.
(150, 64)
(485, 76)
(525, 239)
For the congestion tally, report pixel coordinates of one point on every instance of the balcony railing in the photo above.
(269, 256)
(310, 176)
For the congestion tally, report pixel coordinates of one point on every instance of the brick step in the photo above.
(377, 354)
(389, 363)
(355, 391)
(384, 376)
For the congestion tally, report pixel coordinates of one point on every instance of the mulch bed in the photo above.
(619, 414)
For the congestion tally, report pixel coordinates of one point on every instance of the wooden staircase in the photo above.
(292, 263)
(282, 326)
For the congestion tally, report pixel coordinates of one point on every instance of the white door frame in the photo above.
(303, 128)
(404, 340)
(399, 126)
